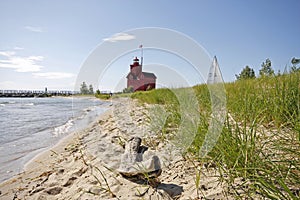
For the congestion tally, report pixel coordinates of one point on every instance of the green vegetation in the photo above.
(84, 89)
(102, 96)
(260, 141)
(247, 73)
(128, 90)
(294, 68)
(266, 68)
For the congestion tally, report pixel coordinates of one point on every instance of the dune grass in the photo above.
(103, 96)
(260, 141)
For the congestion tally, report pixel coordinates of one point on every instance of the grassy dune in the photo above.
(260, 141)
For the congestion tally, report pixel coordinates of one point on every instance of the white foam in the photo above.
(29, 104)
(63, 128)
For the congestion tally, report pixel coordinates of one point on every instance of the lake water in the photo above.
(29, 126)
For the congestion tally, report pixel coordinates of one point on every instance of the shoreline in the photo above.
(62, 143)
(83, 165)
(44, 136)
(57, 147)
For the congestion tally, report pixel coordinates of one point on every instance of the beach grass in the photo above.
(260, 142)
(103, 96)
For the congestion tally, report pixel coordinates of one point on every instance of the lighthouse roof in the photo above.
(149, 75)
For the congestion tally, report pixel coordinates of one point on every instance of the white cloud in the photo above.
(34, 29)
(53, 75)
(18, 48)
(20, 64)
(7, 53)
(120, 37)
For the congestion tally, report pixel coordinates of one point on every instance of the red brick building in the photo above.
(139, 80)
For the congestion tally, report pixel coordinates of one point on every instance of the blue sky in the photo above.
(45, 43)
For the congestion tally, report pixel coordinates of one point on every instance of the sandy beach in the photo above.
(83, 165)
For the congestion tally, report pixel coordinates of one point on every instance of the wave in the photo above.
(76, 123)
(63, 128)
(12, 159)
(8, 102)
(4, 103)
(29, 104)
(26, 105)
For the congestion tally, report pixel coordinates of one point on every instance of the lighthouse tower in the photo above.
(136, 68)
(139, 80)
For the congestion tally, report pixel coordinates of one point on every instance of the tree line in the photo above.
(84, 89)
(265, 70)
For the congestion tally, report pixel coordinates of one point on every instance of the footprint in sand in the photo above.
(54, 190)
(70, 181)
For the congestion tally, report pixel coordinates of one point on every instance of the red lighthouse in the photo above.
(139, 80)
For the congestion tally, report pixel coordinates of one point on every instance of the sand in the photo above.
(84, 165)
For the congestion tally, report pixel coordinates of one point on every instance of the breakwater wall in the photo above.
(36, 93)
